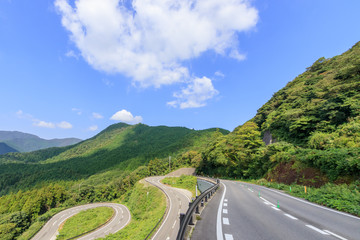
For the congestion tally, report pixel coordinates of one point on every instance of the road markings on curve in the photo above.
(226, 221)
(225, 204)
(290, 216)
(250, 190)
(229, 237)
(174, 224)
(335, 235)
(219, 233)
(225, 211)
(316, 229)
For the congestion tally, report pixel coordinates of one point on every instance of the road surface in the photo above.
(178, 202)
(247, 211)
(120, 220)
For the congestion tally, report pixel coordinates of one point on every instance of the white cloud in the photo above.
(43, 124)
(71, 54)
(126, 116)
(64, 125)
(219, 74)
(78, 111)
(40, 123)
(93, 128)
(195, 95)
(97, 115)
(150, 40)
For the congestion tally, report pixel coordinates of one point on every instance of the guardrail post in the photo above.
(197, 210)
(182, 216)
(206, 198)
(191, 220)
(202, 203)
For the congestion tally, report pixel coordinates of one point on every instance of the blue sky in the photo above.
(72, 68)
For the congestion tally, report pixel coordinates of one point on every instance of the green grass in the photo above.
(342, 197)
(184, 182)
(147, 205)
(85, 221)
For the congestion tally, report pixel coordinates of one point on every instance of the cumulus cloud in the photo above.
(93, 128)
(148, 41)
(97, 115)
(195, 95)
(126, 116)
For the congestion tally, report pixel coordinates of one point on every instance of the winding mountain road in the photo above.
(178, 202)
(120, 220)
(246, 211)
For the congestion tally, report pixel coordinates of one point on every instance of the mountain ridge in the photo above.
(26, 142)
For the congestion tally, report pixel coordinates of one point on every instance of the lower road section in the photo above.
(178, 202)
(120, 220)
(247, 211)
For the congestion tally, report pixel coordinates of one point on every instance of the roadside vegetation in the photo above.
(185, 182)
(84, 222)
(147, 205)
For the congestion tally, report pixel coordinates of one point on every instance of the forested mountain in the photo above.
(25, 142)
(98, 169)
(315, 124)
(4, 148)
(119, 146)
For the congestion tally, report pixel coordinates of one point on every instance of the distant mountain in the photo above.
(25, 142)
(4, 148)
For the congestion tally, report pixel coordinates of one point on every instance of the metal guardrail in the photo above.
(187, 219)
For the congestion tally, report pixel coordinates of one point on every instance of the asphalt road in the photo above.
(120, 220)
(178, 202)
(247, 211)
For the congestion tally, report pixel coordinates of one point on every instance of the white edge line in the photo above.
(219, 232)
(335, 235)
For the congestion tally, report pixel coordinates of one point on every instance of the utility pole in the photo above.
(169, 163)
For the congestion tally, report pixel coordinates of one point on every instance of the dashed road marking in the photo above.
(226, 221)
(229, 237)
(225, 200)
(225, 211)
(290, 216)
(174, 224)
(250, 190)
(335, 235)
(318, 230)
(225, 204)
(275, 208)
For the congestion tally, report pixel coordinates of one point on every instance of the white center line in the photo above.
(226, 221)
(290, 216)
(250, 190)
(275, 208)
(229, 237)
(316, 229)
(225, 211)
(335, 235)
(225, 200)
(174, 224)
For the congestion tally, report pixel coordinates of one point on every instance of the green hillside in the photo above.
(4, 148)
(315, 124)
(36, 185)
